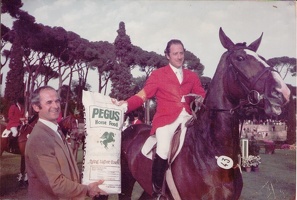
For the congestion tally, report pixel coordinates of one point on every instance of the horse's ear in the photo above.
(226, 42)
(255, 45)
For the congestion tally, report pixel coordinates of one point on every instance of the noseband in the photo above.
(248, 84)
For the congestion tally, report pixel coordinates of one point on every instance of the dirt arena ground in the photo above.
(275, 180)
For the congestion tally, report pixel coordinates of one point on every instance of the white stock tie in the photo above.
(179, 76)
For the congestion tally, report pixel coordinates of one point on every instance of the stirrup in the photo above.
(156, 191)
(157, 194)
(160, 197)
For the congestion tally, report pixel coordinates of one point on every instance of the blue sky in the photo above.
(151, 24)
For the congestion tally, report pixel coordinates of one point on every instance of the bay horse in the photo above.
(19, 145)
(208, 164)
(24, 130)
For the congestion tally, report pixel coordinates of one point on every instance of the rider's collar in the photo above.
(174, 69)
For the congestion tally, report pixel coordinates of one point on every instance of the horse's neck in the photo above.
(223, 126)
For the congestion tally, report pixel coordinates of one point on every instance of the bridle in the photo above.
(252, 96)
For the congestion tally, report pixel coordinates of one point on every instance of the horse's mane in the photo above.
(198, 138)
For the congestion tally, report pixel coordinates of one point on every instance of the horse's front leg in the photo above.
(4, 144)
(127, 180)
(22, 178)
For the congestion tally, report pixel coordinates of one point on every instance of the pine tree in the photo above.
(15, 77)
(121, 74)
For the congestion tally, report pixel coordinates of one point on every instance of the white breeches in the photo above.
(165, 134)
(14, 131)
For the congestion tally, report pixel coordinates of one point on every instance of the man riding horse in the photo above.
(207, 165)
(170, 85)
(16, 115)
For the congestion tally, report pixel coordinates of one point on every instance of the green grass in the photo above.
(275, 180)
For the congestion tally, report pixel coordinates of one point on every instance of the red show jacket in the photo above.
(14, 115)
(164, 85)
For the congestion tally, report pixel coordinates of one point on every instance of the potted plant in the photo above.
(251, 162)
(246, 164)
(255, 161)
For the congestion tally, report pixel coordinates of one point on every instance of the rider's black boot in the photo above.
(10, 143)
(158, 172)
(13, 143)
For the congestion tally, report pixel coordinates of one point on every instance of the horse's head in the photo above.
(249, 77)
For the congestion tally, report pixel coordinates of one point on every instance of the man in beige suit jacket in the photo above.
(51, 166)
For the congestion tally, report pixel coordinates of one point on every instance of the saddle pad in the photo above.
(5, 133)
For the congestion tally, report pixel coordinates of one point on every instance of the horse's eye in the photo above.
(240, 58)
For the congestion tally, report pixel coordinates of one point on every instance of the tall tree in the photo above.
(12, 7)
(284, 65)
(16, 87)
(6, 37)
(29, 32)
(121, 76)
(193, 63)
(102, 56)
(15, 76)
(147, 61)
(291, 116)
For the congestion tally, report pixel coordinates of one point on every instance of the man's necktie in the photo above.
(62, 135)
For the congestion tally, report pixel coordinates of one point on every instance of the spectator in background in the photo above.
(16, 116)
(136, 119)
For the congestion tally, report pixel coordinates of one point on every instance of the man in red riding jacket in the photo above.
(16, 114)
(170, 85)
(15, 118)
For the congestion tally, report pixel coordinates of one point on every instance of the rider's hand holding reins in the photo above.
(198, 101)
